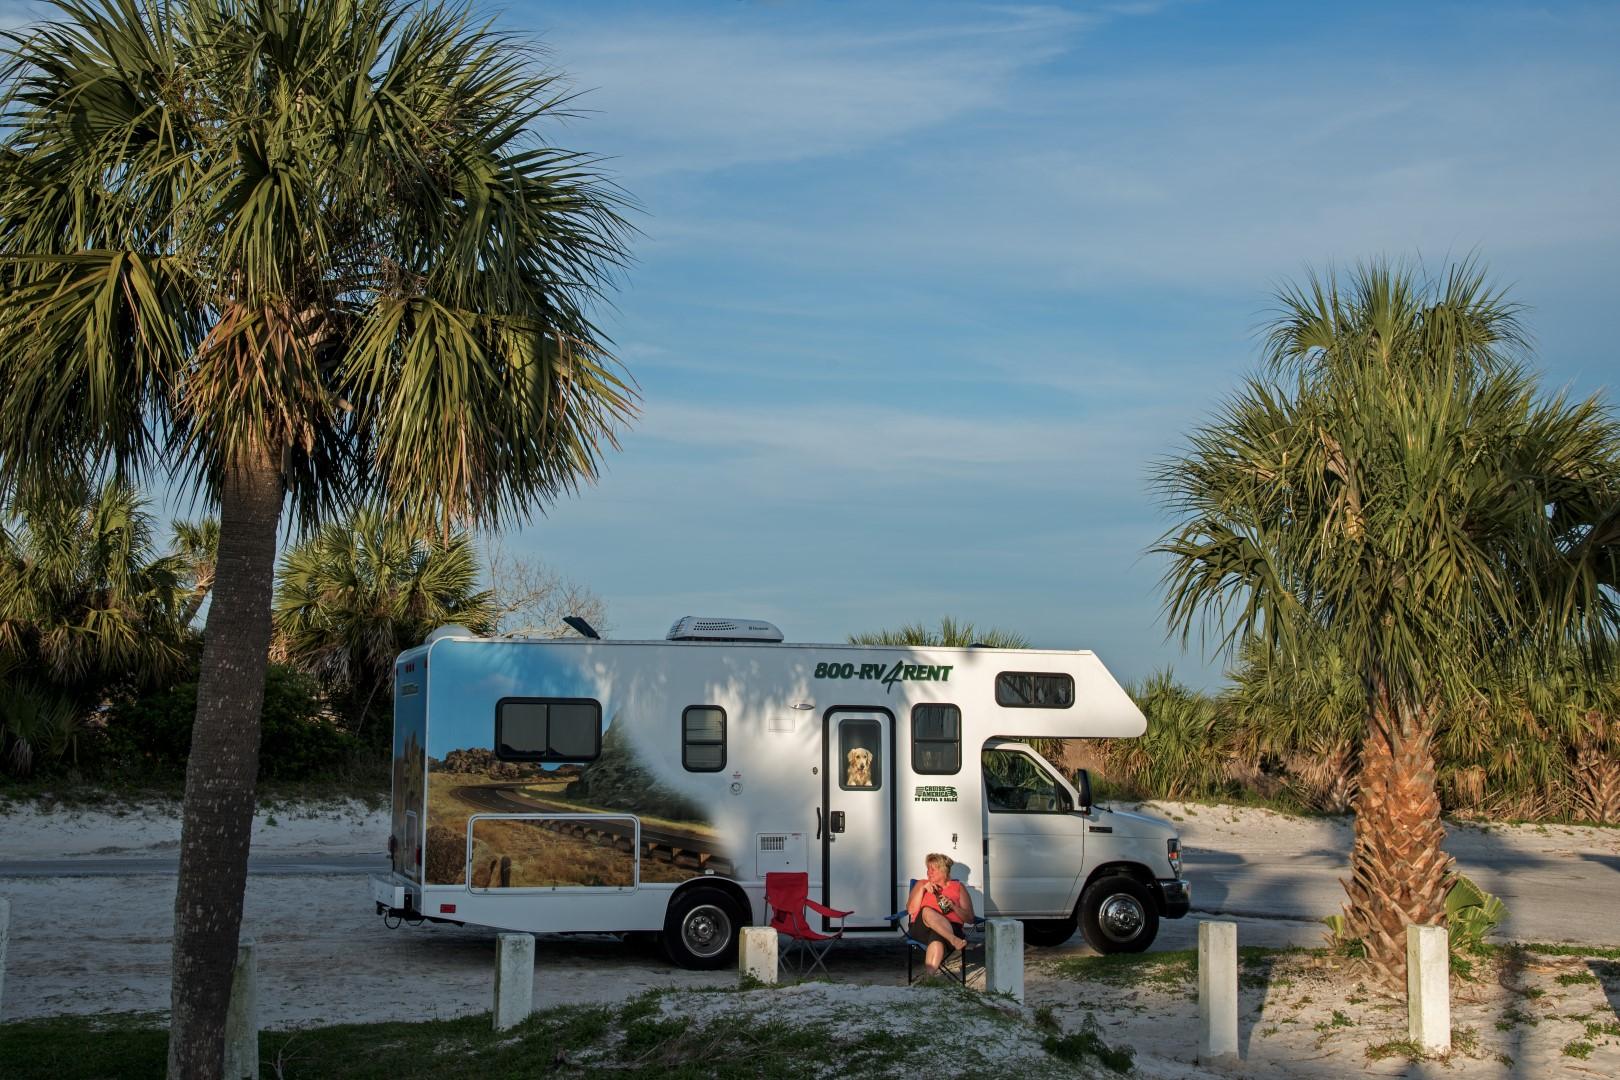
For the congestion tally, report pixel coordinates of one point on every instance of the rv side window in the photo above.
(703, 738)
(860, 749)
(1034, 690)
(548, 729)
(936, 739)
(1014, 784)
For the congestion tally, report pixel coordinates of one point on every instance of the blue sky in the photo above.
(924, 290)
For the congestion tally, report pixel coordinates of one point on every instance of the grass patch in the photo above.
(1579, 1049)
(1165, 969)
(1087, 1045)
(1597, 1029)
(1577, 978)
(1174, 968)
(1598, 952)
(653, 1037)
(1401, 1048)
(1337, 1020)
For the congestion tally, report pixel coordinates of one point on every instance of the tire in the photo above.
(1117, 915)
(701, 930)
(1050, 933)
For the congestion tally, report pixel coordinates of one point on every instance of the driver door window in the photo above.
(1015, 784)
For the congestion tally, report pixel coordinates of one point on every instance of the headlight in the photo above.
(1173, 846)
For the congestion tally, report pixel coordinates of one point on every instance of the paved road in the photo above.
(1564, 897)
(1549, 898)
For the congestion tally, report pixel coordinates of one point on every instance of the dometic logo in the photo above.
(887, 675)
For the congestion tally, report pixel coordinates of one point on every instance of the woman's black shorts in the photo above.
(926, 934)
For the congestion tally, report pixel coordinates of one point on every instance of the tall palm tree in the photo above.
(363, 589)
(294, 253)
(87, 607)
(1397, 484)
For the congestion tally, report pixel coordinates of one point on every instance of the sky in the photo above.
(923, 293)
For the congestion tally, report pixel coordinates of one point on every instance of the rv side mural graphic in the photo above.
(677, 839)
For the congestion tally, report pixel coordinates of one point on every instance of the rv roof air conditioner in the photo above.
(693, 628)
(448, 630)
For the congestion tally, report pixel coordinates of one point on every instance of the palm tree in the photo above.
(949, 633)
(362, 590)
(1302, 720)
(197, 544)
(1187, 747)
(87, 607)
(1396, 484)
(295, 253)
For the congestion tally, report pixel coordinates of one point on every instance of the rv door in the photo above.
(1036, 842)
(855, 820)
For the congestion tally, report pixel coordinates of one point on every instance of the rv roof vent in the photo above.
(448, 630)
(693, 628)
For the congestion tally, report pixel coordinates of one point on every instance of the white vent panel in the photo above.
(779, 852)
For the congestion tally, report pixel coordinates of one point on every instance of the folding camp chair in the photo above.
(915, 948)
(787, 898)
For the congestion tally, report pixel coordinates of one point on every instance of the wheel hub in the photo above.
(706, 930)
(1121, 917)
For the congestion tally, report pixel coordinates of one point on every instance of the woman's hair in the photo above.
(936, 859)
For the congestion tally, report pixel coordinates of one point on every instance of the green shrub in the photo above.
(299, 738)
(1471, 913)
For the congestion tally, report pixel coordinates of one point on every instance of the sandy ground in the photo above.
(99, 944)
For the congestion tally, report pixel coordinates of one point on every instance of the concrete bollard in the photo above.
(1004, 958)
(756, 958)
(5, 935)
(1428, 988)
(242, 1016)
(1217, 992)
(514, 979)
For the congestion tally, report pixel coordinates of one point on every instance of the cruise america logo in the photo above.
(888, 675)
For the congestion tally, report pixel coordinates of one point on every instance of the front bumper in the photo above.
(1174, 896)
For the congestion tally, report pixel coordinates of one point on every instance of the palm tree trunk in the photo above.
(1399, 871)
(220, 772)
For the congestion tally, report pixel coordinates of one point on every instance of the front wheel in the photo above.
(701, 929)
(1117, 915)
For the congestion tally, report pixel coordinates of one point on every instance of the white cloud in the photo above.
(1220, 176)
(684, 93)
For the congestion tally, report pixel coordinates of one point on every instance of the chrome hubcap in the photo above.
(1121, 917)
(706, 930)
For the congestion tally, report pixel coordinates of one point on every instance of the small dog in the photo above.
(859, 773)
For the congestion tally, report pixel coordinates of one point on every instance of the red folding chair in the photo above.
(787, 898)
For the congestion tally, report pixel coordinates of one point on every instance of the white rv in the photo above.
(633, 786)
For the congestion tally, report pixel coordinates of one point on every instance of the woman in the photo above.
(938, 908)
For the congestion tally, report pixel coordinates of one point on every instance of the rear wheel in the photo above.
(1049, 933)
(700, 931)
(1117, 915)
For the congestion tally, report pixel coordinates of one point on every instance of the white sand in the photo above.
(334, 828)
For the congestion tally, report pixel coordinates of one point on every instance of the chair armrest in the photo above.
(825, 910)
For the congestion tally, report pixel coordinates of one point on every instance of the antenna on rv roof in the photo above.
(581, 627)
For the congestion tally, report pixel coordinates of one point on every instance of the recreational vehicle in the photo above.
(650, 786)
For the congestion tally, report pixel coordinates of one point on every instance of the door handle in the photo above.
(818, 823)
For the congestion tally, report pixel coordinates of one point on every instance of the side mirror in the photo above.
(1082, 787)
